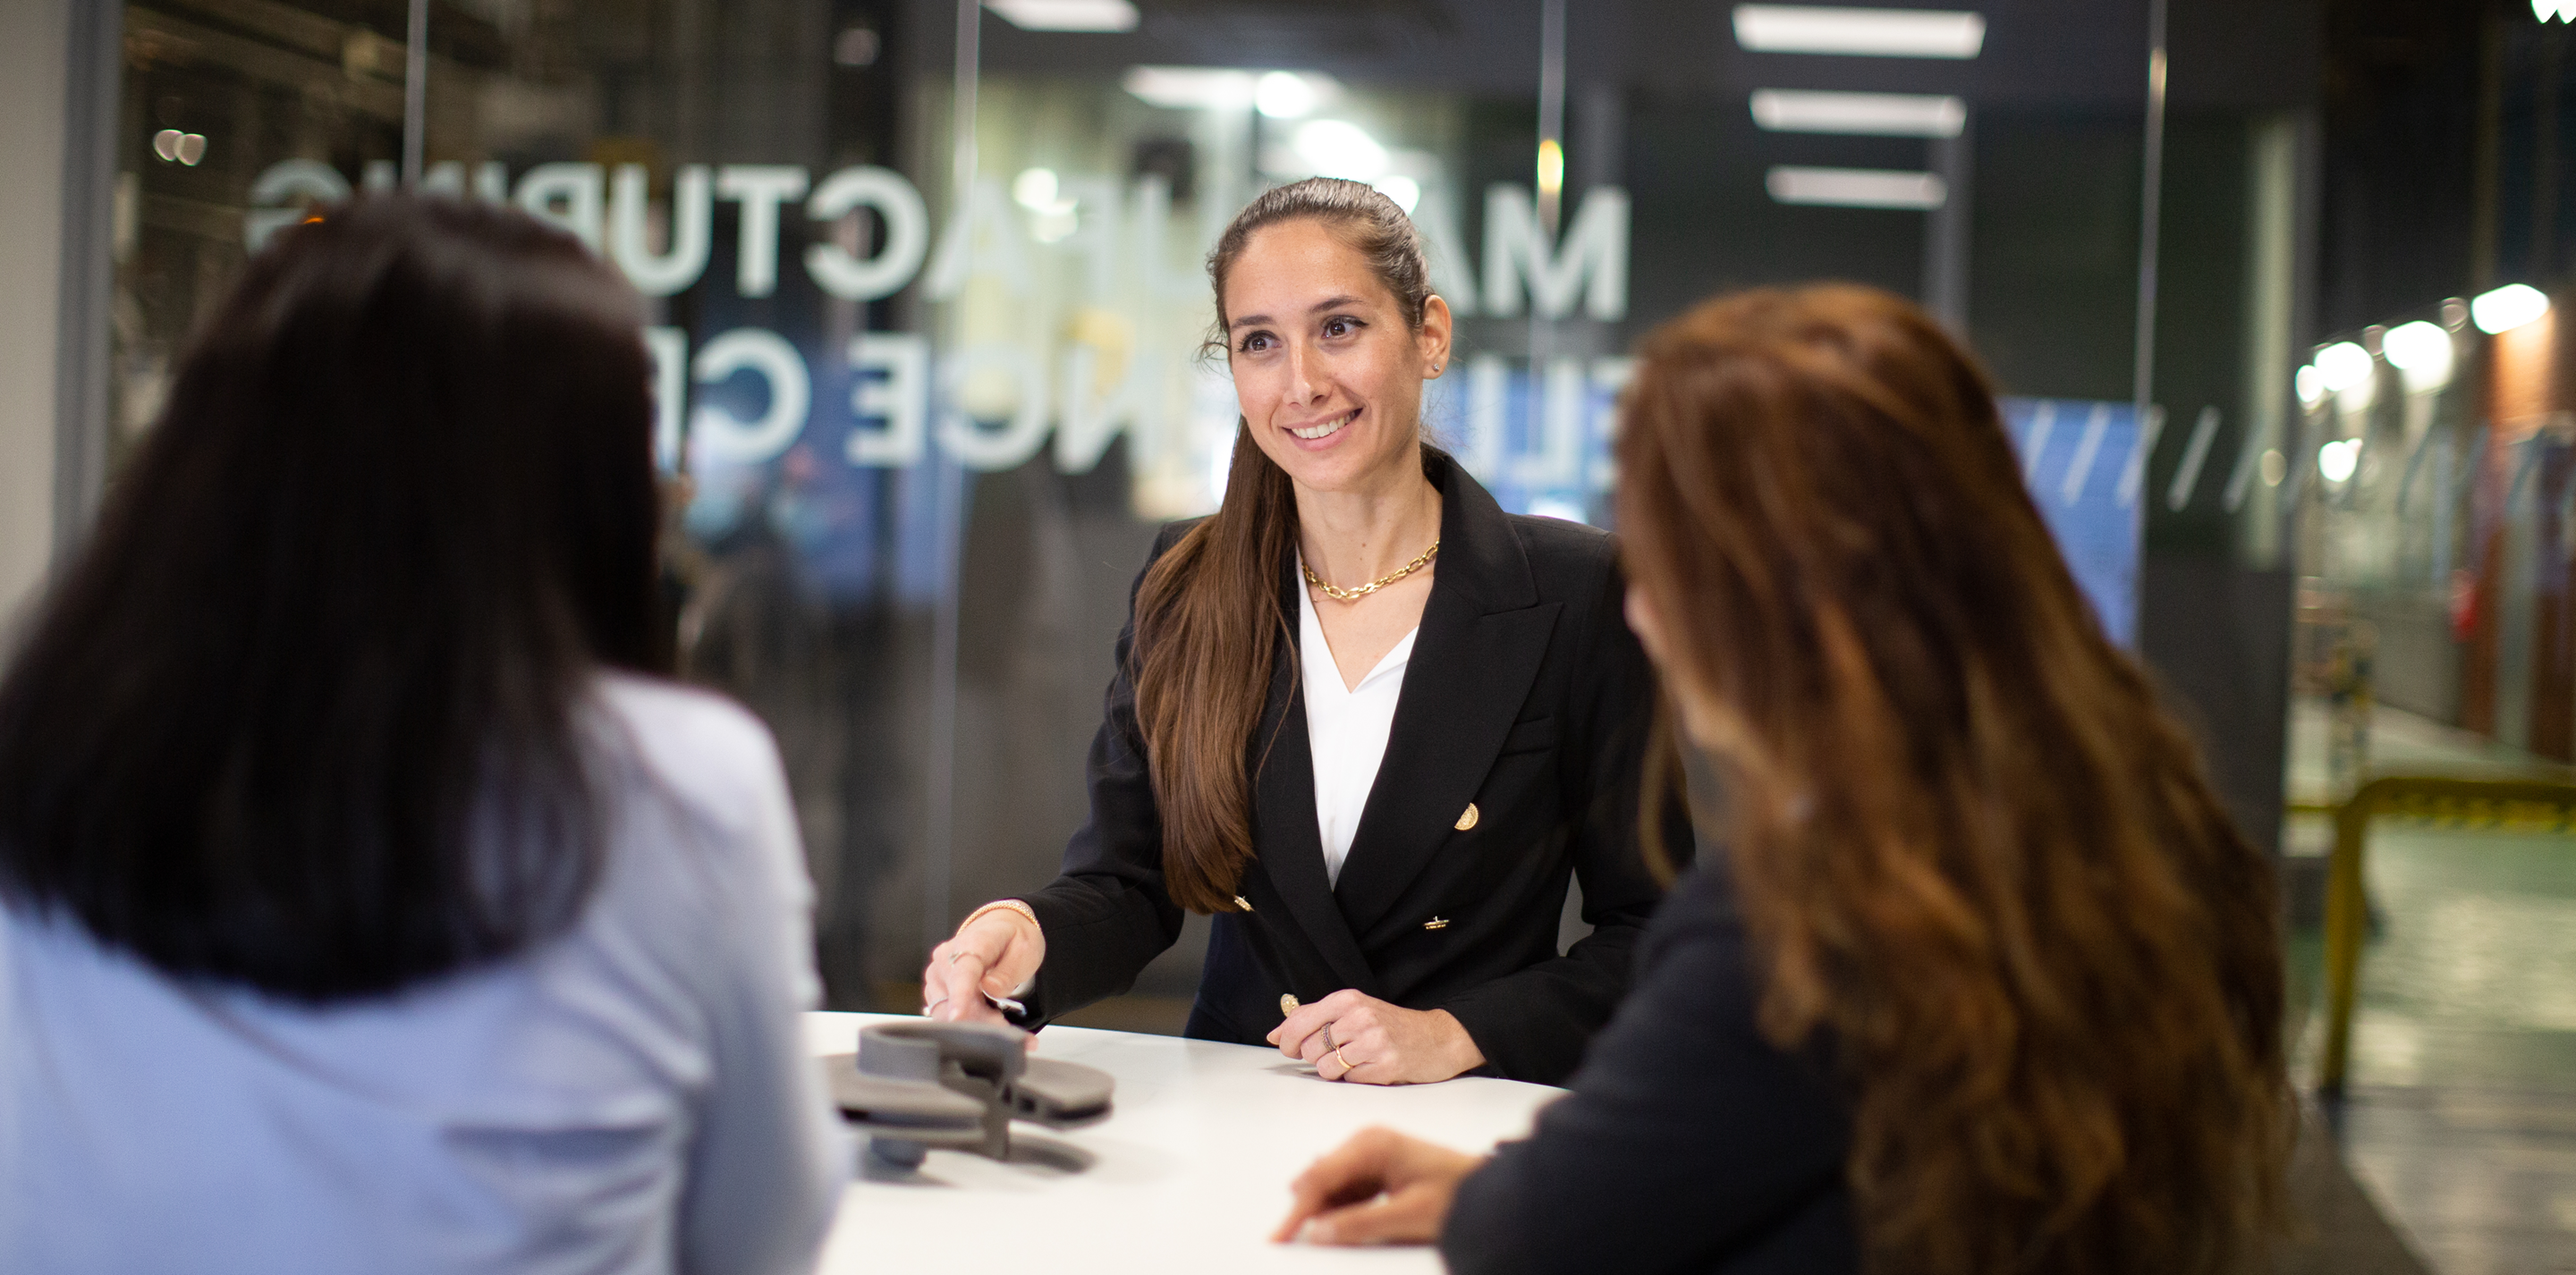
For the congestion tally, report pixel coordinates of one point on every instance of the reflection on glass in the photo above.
(216, 93)
(886, 393)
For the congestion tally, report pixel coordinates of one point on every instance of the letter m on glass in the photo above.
(1591, 262)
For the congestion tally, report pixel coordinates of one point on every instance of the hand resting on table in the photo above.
(1380, 1187)
(1353, 1036)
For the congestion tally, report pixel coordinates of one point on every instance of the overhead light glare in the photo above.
(2554, 10)
(1405, 191)
(2311, 384)
(2337, 460)
(1339, 148)
(2343, 365)
(175, 147)
(1856, 187)
(1869, 114)
(2508, 307)
(1886, 33)
(1035, 189)
(1551, 167)
(2420, 350)
(1190, 88)
(1287, 95)
(1067, 15)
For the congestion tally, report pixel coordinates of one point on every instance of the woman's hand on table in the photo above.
(993, 954)
(1380, 1187)
(1352, 1036)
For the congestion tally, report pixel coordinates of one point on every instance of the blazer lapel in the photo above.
(1291, 846)
(1483, 635)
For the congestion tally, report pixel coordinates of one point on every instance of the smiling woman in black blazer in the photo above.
(1392, 923)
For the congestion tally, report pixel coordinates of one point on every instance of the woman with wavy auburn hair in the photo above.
(1983, 980)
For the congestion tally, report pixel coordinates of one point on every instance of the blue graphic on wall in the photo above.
(2084, 467)
(1538, 440)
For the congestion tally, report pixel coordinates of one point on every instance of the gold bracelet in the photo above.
(1007, 905)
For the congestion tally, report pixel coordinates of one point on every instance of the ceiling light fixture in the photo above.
(2311, 385)
(1856, 187)
(1190, 88)
(180, 148)
(2507, 308)
(2344, 365)
(1886, 33)
(1872, 114)
(2337, 460)
(1339, 148)
(2421, 351)
(1286, 95)
(1067, 15)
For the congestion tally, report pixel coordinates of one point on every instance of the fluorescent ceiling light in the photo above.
(1278, 94)
(2507, 308)
(1067, 15)
(1876, 114)
(1187, 88)
(2311, 384)
(1857, 187)
(1888, 33)
(2337, 460)
(2421, 353)
(2344, 365)
(1290, 95)
(1339, 148)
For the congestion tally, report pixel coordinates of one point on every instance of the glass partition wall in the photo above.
(928, 302)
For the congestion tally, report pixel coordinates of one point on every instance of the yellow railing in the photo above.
(2487, 803)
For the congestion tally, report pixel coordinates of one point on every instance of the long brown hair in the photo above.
(1977, 864)
(1208, 619)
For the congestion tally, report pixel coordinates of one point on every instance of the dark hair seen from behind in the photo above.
(305, 713)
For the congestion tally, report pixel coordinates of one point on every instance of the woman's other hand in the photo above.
(1380, 1187)
(993, 954)
(1354, 1036)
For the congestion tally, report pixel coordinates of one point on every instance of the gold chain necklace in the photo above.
(1353, 595)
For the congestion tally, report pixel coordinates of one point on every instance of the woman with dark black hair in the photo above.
(365, 902)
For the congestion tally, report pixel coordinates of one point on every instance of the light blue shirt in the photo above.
(630, 1097)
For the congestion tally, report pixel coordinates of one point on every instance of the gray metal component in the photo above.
(916, 1085)
(1061, 1095)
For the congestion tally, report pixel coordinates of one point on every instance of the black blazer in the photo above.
(1689, 1143)
(1526, 695)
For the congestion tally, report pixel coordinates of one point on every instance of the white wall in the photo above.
(34, 52)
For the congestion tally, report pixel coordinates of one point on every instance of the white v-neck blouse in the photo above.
(1346, 728)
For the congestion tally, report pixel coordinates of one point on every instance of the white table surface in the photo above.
(1190, 1171)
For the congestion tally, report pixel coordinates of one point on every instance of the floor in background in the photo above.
(2461, 1119)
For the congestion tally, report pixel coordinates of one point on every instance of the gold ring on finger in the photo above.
(1347, 1067)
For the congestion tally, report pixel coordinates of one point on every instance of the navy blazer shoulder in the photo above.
(1526, 698)
(1688, 1143)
